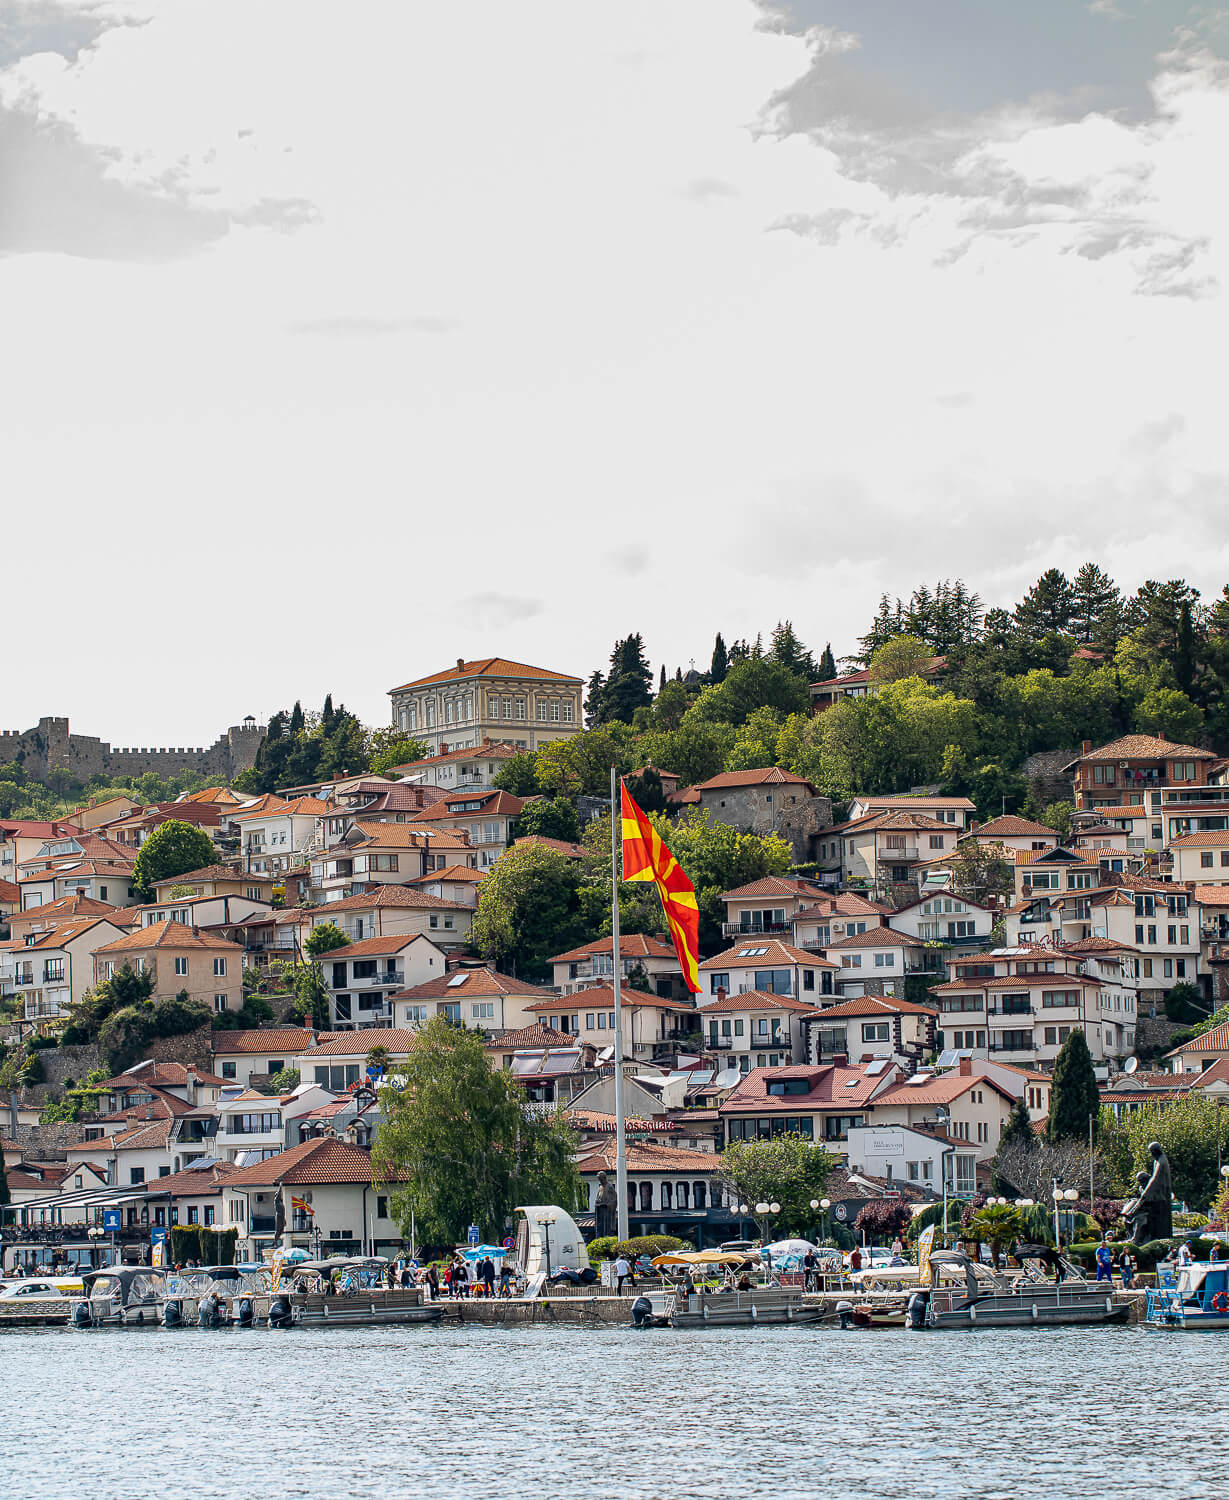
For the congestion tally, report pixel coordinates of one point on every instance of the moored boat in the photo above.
(120, 1297)
(1196, 1298)
(1023, 1298)
(749, 1308)
(346, 1290)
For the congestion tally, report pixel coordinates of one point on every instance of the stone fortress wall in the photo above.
(52, 747)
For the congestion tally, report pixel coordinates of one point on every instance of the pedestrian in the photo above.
(1185, 1253)
(433, 1282)
(488, 1276)
(623, 1272)
(1105, 1260)
(505, 1280)
(1128, 1268)
(809, 1264)
(855, 1259)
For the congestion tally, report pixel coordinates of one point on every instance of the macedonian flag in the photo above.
(645, 857)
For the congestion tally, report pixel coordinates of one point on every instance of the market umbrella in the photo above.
(787, 1254)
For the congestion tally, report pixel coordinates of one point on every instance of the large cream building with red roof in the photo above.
(488, 699)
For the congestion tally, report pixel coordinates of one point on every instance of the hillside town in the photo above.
(906, 977)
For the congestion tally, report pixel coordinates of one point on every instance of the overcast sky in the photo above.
(340, 342)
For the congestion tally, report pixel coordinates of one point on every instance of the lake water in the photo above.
(616, 1414)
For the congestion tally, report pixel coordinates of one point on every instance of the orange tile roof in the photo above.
(496, 749)
(776, 885)
(1208, 838)
(601, 997)
(276, 1039)
(478, 982)
(359, 1043)
(68, 906)
(78, 869)
(875, 1005)
(374, 947)
(560, 846)
(877, 937)
(647, 1156)
(1216, 1040)
(843, 904)
(9, 892)
(1012, 827)
(756, 1000)
(195, 1182)
(457, 874)
(768, 952)
(536, 1035)
(493, 803)
(631, 945)
(170, 935)
(388, 896)
(64, 932)
(768, 776)
(323, 1160)
(216, 872)
(1142, 747)
(826, 1091)
(399, 836)
(1212, 895)
(490, 666)
(943, 1088)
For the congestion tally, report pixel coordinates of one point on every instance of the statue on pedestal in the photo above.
(279, 1218)
(605, 1207)
(1149, 1214)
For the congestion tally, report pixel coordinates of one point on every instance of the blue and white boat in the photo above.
(1196, 1297)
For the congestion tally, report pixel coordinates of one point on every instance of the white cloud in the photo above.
(505, 305)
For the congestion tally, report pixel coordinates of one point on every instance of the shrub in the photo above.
(603, 1247)
(283, 1082)
(40, 1042)
(650, 1244)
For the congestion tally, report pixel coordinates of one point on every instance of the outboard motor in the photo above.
(845, 1313)
(245, 1312)
(172, 1315)
(207, 1313)
(279, 1313)
(915, 1310)
(83, 1317)
(642, 1313)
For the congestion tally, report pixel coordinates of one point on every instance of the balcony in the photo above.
(760, 929)
(907, 855)
(1009, 1015)
(373, 981)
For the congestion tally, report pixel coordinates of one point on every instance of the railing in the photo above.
(1025, 1010)
(390, 976)
(739, 930)
(903, 856)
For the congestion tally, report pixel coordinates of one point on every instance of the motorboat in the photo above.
(347, 1290)
(217, 1297)
(1195, 1297)
(120, 1297)
(748, 1307)
(1021, 1298)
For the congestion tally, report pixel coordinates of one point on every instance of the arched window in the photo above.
(646, 1197)
(667, 1196)
(683, 1195)
(699, 1193)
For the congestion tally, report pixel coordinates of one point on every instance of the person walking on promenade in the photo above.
(623, 1272)
(488, 1276)
(1105, 1259)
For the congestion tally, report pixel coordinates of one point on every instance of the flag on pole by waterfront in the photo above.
(302, 1206)
(646, 857)
(925, 1243)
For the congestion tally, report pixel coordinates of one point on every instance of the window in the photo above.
(875, 1031)
(192, 1216)
(851, 960)
(228, 1070)
(485, 1011)
(1103, 775)
(219, 1004)
(1060, 998)
(209, 1213)
(884, 960)
(936, 841)
(181, 966)
(808, 979)
(219, 967)
(136, 1176)
(1205, 860)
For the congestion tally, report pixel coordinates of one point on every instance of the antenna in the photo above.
(1130, 1065)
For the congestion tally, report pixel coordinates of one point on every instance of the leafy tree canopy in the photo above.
(174, 848)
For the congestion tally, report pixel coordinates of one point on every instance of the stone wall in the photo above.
(802, 825)
(193, 1047)
(1047, 780)
(52, 747)
(60, 1063)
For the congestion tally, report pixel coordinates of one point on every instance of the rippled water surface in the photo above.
(613, 1413)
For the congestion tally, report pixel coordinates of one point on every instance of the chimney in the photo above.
(840, 1059)
(966, 1067)
(1161, 735)
(1085, 746)
(460, 662)
(721, 992)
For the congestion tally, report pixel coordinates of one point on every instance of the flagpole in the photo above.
(620, 1140)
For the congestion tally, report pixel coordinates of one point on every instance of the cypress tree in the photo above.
(1018, 1127)
(827, 664)
(661, 681)
(721, 662)
(1073, 1092)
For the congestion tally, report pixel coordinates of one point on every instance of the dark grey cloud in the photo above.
(57, 195)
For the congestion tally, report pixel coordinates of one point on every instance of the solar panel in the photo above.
(875, 1068)
(457, 979)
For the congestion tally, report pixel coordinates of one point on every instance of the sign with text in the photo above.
(112, 1220)
(884, 1143)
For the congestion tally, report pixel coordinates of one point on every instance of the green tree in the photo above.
(629, 684)
(457, 1147)
(324, 938)
(312, 1000)
(1194, 1133)
(1185, 1004)
(1073, 1093)
(286, 1081)
(789, 651)
(755, 744)
(1096, 607)
(1057, 815)
(996, 1226)
(387, 748)
(1046, 608)
(529, 910)
(554, 819)
(751, 683)
(518, 775)
(902, 656)
(981, 871)
(580, 765)
(646, 790)
(669, 706)
(720, 663)
(787, 1169)
(827, 664)
(172, 849)
(124, 989)
(1169, 712)
(694, 752)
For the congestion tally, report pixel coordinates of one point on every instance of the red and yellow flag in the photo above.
(645, 857)
(301, 1205)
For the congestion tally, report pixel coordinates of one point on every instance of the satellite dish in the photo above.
(1130, 1065)
(727, 1078)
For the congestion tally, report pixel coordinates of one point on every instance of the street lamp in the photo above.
(743, 1211)
(546, 1220)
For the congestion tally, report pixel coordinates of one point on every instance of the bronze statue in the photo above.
(1149, 1214)
(605, 1207)
(279, 1217)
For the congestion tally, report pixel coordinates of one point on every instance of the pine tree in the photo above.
(789, 651)
(1046, 608)
(1073, 1092)
(721, 662)
(629, 685)
(1018, 1126)
(661, 681)
(595, 698)
(327, 716)
(1095, 602)
(827, 664)
(1184, 651)
(296, 719)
